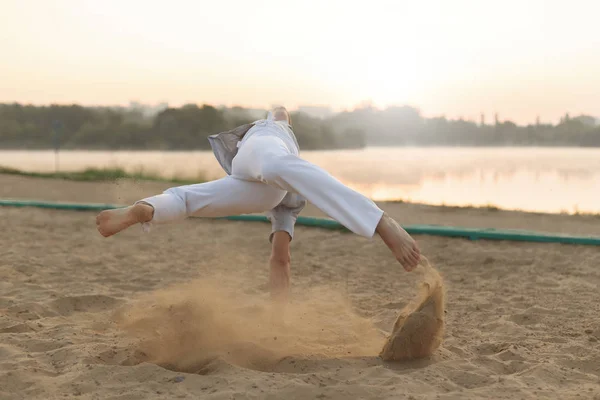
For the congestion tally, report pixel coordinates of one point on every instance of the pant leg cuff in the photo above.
(373, 227)
(163, 208)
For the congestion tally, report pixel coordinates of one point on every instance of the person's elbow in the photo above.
(281, 259)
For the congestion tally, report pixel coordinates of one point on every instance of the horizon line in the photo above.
(366, 104)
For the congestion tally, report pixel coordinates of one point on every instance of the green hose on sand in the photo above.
(436, 230)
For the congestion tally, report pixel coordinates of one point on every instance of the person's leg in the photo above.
(220, 198)
(277, 167)
(279, 277)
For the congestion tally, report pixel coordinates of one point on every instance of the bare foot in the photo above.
(402, 245)
(110, 222)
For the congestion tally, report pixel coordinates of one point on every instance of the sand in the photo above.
(183, 312)
(419, 329)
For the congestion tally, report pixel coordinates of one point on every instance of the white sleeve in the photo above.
(283, 217)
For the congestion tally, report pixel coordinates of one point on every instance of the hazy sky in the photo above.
(453, 57)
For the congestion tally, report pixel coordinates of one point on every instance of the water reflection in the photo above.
(548, 192)
(532, 179)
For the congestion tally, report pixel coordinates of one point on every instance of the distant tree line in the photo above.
(183, 128)
(405, 126)
(187, 128)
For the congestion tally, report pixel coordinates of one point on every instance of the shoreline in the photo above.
(126, 191)
(373, 146)
(560, 182)
(114, 175)
(99, 175)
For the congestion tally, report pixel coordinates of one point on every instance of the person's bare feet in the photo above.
(110, 222)
(402, 245)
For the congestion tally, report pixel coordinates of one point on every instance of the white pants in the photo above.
(263, 171)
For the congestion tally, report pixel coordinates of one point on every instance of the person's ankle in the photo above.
(142, 212)
(383, 223)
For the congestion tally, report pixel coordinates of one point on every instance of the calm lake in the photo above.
(532, 179)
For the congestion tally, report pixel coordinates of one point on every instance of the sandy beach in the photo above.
(183, 312)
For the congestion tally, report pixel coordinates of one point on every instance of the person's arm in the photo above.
(279, 262)
(283, 219)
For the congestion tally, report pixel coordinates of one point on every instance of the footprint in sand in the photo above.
(419, 328)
